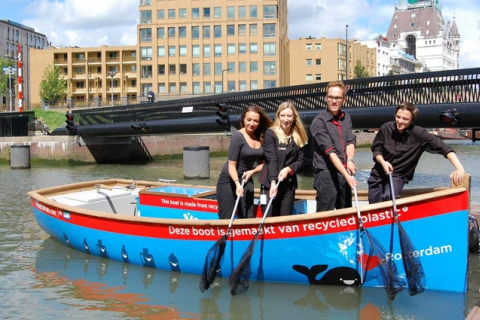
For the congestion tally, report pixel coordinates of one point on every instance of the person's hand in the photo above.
(351, 168)
(387, 167)
(273, 189)
(352, 182)
(457, 176)
(284, 173)
(239, 190)
(247, 175)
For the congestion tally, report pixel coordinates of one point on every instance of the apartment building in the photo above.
(12, 36)
(323, 60)
(95, 76)
(210, 47)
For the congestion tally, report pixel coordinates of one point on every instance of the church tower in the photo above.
(419, 30)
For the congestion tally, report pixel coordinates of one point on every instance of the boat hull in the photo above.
(316, 248)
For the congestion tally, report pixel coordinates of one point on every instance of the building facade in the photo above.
(15, 36)
(323, 60)
(209, 47)
(418, 30)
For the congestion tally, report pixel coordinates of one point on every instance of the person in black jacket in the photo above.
(283, 150)
(397, 148)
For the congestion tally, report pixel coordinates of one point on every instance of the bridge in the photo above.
(445, 99)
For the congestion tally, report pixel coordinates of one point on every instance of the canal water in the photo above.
(39, 278)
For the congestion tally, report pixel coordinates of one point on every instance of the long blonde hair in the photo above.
(298, 132)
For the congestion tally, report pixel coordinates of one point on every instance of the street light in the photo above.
(10, 70)
(222, 76)
(112, 74)
(346, 45)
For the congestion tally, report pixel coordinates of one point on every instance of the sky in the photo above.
(92, 23)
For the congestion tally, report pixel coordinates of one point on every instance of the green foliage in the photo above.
(52, 88)
(53, 119)
(360, 71)
(4, 90)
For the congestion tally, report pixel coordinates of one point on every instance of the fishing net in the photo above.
(212, 263)
(239, 282)
(377, 265)
(413, 267)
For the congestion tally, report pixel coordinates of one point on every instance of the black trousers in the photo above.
(226, 198)
(282, 205)
(379, 187)
(333, 191)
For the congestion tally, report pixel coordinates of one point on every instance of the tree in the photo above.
(4, 88)
(52, 88)
(360, 71)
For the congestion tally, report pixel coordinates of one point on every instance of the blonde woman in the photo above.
(283, 152)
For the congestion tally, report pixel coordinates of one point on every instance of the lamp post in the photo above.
(222, 76)
(112, 74)
(346, 45)
(10, 70)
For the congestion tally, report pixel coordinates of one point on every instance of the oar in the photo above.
(239, 282)
(412, 265)
(372, 258)
(215, 254)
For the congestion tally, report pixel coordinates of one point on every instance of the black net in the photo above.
(377, 265)
(239, 279)
(212, 263)
(413, 267)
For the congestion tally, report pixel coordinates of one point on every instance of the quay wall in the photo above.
(121, 149)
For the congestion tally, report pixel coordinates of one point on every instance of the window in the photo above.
(218, 87)
(217, 11)
(182, 13)
(253, 48)
(253, 29)
(230, 30)
(160, 33)
(206, 32)
(254, 85)
(231, 85)
(242, 12)
(341, 48)
(242, 29)
(218, 50)
(231, 48)
(308, 47)
(207, 69)
(146, 87)
(196, 51)
(183, 51)
(196, 69)
(308, 77)
(161, 51)
(267, 84)
(161, 69)
(146, 71)
(242, 85)
(206, 51)
(217, 31)
(341, 64)
(207, 87)
(318, 46)
(161, 87)
(253, 11)
(242, 67)
(196, 87)
(218, 68)
(318, 77)
(161, 14)
(171, 32)
(171, 51)
(171, 13)
(206, 13)
(253, 66)
(146, 16)
(269, 30)
(230, 13)
(309, 62)
(172, 69)
(146, 35)
(146, 53)
(269, 12)
(195, 32)
(269, 68)
(231, 67)
(318, 62)
(182, 32)
(172, 87)
(195, 13)
(242, 48)
(183, 68)
(269, 49)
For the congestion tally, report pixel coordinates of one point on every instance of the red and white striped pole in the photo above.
(20, 80)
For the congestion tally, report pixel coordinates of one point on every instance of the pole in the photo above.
(10, 87)
(222, 77)
(112, 74)
(346, 45)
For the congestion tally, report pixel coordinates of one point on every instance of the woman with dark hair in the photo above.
(283, 148)
(397, 148)
(245, 158)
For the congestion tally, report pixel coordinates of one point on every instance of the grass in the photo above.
(53, 119)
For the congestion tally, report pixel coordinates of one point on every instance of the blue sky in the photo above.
(91, 23)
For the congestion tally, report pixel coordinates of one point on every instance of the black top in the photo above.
(331, 135)
(278, 156)
(403, 150)
(240, 151)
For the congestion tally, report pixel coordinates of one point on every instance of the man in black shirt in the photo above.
(397, 148)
